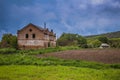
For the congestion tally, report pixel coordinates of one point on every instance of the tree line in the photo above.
(69, 39)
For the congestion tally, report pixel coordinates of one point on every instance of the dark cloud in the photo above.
(76, 16)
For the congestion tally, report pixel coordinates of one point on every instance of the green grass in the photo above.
(24, 65)
(18, 72)
(26, 59)
(38, 51)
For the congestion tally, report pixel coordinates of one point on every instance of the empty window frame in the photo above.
(33, 35)
(26, 35)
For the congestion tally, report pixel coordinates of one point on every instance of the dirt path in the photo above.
(97, 55)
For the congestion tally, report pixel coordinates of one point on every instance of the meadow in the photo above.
(24, 65)
(30, 72)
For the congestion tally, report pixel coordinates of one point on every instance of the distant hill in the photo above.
(109, 35)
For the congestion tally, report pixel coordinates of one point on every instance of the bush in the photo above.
(8, 41)
(69, 39)
(8, 50)
(95, 43)
(115, 42)
(103, 39)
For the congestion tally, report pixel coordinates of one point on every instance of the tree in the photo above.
(115, 42)
(103, 39)
(9, 40)
(69, 39)
(95, 43)
(82, 42)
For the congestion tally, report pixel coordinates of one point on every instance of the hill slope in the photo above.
(109, 35)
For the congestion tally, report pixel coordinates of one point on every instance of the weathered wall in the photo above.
(53, 44)
(31, 44)
(41, 40)
(39, 34)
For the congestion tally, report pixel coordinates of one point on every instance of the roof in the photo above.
(45, 30)
(104, 44)
(38, 27)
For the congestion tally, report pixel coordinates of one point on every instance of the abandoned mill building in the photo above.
(35, 37)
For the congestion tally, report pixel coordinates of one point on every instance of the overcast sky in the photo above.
(85, 17)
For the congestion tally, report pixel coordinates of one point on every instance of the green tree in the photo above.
(103, 39)
(95, 43)
(115, 42)
(9, 40)
(82, 42)
(69, 39)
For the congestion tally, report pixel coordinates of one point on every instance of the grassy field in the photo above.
(25, 65)
(30, 72)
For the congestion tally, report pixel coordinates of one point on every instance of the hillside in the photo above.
(109, 35)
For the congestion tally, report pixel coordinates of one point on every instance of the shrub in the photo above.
(9, 41)
(69, 39)
(115, 42)
(95, 43)
(7, 50)
(103, 39)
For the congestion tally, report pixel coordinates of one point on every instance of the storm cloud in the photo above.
(85, 17)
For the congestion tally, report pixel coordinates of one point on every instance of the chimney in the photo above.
(44, 25)
(51, 30)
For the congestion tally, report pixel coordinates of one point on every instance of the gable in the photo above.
(31, 32)
(30, 26)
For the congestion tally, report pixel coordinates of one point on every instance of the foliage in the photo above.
(39, 51)
(108, 35)
(103, 39)
(68, 39)
(113, 39)
(115, 42)
(94, 43)
(82, 42)
(7, 50)
(9, 40)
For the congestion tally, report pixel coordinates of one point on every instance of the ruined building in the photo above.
(34, 37)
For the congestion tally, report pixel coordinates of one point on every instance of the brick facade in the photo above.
(34, 37)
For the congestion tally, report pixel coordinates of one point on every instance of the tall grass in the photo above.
(39, 51)
(26, 59)
(8, 51)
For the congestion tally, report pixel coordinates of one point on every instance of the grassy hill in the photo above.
(109, 35)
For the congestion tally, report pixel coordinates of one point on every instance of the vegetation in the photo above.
(94, 43)
(68, 39)
(108, 35)
(114, 42)
(103, 39)
(8, 40)
(18, 72)
(25, 58)
(113, 39)
(39, 51)
(23, 65)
